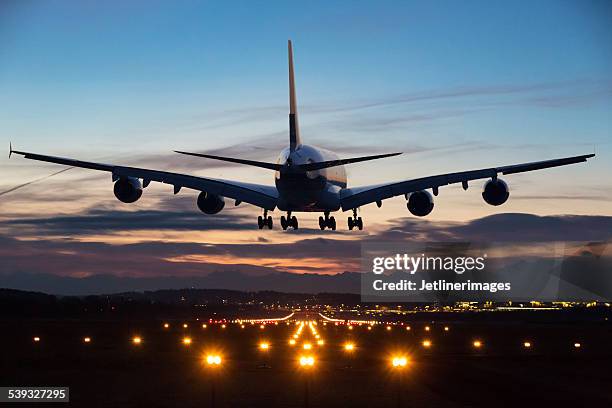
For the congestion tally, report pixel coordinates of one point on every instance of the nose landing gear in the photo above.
(355, 221)
(327, 222)
(265, 221)
(290, 221)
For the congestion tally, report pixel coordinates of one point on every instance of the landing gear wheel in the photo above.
(322, 223)
(359, 223)
(350, 223)
(294, 222)
(332, 223)
(260, 222)
(284, 222)
(269, 222)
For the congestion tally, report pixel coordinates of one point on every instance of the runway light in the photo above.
(185, 325)
(136, 340)
(527, 344)
(186, 341)
(369, 327)
(388, 328)
(349, 347)
(307, 361)
(426, 343)
(477, 344)
(446, 328)
(86, 339)
(36, 339)
(166, 325)
(399, 362)
(213, 360)
(261, 326)
(408, 328)
(204, 326)
(577, 345)
(223, 326)
(320, 342)
(264, 346)
(427, 328)
(307, 346)
(242, 326)
(292, 342)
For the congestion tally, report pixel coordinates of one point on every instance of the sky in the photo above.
(454, 85)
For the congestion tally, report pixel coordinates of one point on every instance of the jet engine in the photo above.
(210, 203)
(128, 189)
(495, 192)
(420, 203)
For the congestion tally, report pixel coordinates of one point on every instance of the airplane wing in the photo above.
(256, 194)
(354, 197)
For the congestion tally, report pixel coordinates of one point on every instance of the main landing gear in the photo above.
(327, 222)
(290, 221)
(265, 221)
(355, 221)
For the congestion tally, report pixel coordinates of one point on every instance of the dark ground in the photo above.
(161, 372)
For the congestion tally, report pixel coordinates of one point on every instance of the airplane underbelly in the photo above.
(302, 193)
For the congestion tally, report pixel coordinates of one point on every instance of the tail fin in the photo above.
(294, 129)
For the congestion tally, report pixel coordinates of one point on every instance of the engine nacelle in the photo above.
(128, 189)
(495, 192)
(420, 203)
(210, 203)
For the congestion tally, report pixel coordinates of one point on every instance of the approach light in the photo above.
(307, 346)
(349, 347)
(426, 343)
(136, 340)
(264, 346)
(213, 360)
(186, 341)
(399, 362)
(307, 361)
(292, 342)
(320, 342)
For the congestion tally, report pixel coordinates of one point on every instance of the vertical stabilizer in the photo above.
(294, 129)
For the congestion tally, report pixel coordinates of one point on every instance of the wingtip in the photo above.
(10, 149)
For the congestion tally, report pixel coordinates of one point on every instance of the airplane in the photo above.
(307, 179)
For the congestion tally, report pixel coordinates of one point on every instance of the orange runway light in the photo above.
(136, 340)
(186, 341)
(213, 359)
(426, 343)
(399, 362)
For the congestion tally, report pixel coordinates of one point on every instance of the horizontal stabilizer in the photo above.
(340, 162)
(271, 166)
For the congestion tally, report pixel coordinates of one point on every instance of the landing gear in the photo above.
(327, 222)
(265, 221)
(290, 221)
(355, 221)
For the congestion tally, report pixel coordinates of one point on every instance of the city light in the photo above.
(307, 361)
(399, 362)
(204, 326)
(264, 346)
(477, 344)
(577, 345)
(527, 344)
(426, 343)
(136, 340)
(446, 328)
(388, 328)
(261, 326)
(369, 327)
(185, 325)
(427, 328)
(223, 326)
(213, 359)
(408, 328)
(166, 325)
(87, 340)
(242, 326)
(349, 347)
(186, 341)
(36, 339)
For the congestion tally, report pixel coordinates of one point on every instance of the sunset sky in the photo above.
(454, 85)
